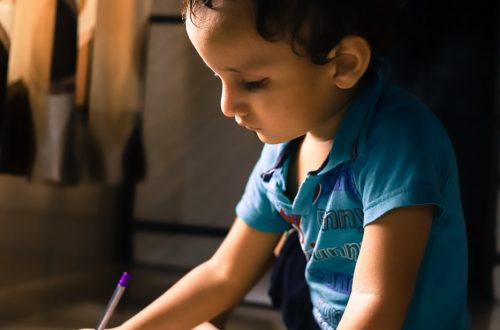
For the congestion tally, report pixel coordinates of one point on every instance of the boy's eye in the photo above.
(254, 85)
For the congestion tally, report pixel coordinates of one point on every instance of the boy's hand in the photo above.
(212, 287)
(205, 326)
(104, 329)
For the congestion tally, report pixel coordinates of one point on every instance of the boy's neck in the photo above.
(326, 133)
(309, 156)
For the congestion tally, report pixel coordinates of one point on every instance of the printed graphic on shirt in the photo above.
(341, 219)
(327, 316)
(339, 181)
(335, 281)
(295, 221)
(348, 251)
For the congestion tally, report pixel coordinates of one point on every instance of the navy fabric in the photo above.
(288, 288)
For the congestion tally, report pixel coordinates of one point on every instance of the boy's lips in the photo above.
(240, 122)
(250, 128)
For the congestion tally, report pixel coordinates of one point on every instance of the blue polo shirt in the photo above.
(390, 151)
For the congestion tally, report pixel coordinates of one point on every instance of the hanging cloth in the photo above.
(17, 143)
(54, 150)
(76, 67)
(43, 58)
(116, 89)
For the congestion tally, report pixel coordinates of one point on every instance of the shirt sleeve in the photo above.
(255, 208)
(406, 162)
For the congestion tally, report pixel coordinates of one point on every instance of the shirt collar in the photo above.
(350, 139)
(285, 150)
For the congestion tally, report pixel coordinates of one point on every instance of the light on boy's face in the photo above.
(294, 95)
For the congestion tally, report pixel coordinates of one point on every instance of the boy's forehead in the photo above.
(228, 32)
(225, 25)
(226, 16)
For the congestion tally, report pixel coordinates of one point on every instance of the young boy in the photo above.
(362, 170)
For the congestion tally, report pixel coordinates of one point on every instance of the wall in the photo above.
(197, 160)
(57, 245)
(48, 231)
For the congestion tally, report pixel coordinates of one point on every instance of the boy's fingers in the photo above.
(206, 326)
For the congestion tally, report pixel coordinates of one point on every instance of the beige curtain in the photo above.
(85, 110)
(116, 92)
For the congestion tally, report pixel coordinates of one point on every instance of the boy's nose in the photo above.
(232, 104)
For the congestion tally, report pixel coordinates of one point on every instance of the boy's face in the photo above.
(266, 87)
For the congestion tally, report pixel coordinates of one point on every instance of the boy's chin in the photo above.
(270, 140)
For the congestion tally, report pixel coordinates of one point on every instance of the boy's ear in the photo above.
(349, 61)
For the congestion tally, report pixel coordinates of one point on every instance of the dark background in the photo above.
(447, 54)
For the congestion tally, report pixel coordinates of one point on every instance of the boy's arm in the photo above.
(213, 286)
(387, 269)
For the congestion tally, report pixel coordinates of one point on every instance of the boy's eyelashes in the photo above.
(254, 85)
(250, 85)
(208, 3)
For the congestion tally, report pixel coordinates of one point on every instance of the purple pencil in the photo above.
(115, 299)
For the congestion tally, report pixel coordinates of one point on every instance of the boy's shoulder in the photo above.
(403, 126)
(394, 107)
(402, 112)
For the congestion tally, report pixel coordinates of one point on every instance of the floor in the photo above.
(86, 314)
(67, 308)
(79, 309)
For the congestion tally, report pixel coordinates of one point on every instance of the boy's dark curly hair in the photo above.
(325, 22)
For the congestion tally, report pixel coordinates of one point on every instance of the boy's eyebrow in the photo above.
(252, 65)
